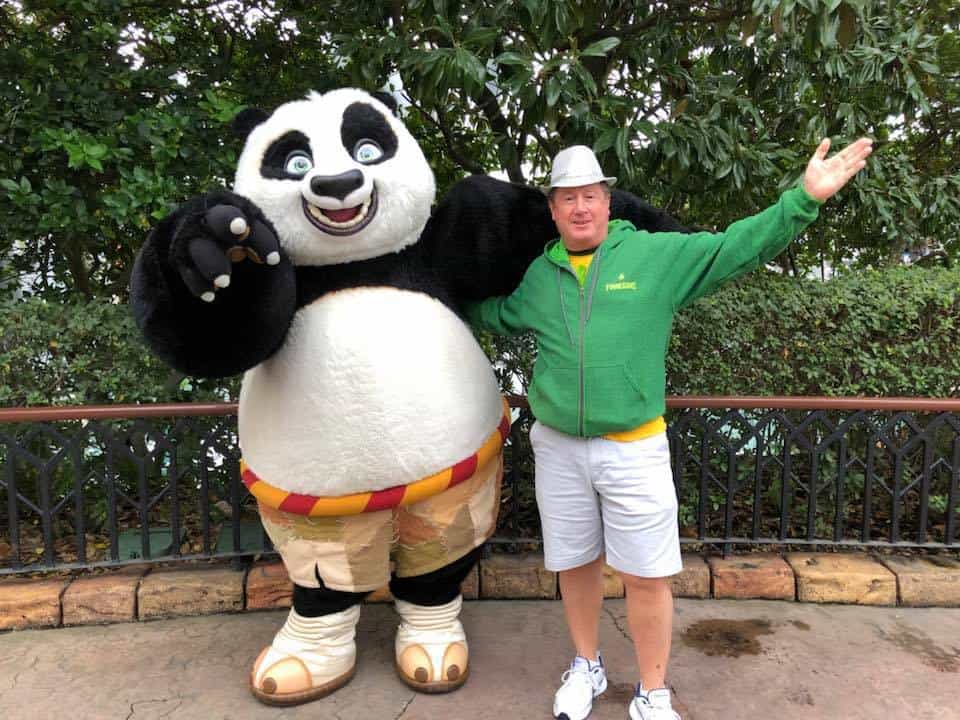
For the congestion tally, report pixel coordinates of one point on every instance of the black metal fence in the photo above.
(93, 486)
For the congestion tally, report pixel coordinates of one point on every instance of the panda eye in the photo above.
(367, 151)
(298, 163)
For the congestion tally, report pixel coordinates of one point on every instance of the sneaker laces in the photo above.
(583, 671)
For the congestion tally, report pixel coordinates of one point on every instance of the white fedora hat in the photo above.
(576, 166)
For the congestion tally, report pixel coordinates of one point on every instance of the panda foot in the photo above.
(308, 659)
(290, 682)
(431, 648)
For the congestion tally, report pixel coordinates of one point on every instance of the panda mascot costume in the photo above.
(370, 421)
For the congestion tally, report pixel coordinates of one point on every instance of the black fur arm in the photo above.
(483, 235)
(213, 295)
(485, 232)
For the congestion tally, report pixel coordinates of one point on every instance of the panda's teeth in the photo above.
(326, 220)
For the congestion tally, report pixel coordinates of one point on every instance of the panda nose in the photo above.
(338, 186)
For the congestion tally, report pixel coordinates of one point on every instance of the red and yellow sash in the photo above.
(385, 499)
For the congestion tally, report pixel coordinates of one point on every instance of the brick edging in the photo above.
(142, 593)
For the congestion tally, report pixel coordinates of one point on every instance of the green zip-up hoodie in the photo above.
(601, 347)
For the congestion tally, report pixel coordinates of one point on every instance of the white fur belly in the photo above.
(372, 388)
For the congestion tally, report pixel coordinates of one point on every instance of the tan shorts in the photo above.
(356, 553)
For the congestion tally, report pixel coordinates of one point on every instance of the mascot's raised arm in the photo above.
(370, 421)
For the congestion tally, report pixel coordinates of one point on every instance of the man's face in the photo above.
(581, 215)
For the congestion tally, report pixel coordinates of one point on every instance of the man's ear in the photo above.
(246, 120)
(387, 99)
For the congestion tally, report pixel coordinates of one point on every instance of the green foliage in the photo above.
(117, 110)
(708, 109)
(114, 111)
(877, 333)
(890, 332)
(85, 353)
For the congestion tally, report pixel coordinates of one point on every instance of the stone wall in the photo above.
(146, 593)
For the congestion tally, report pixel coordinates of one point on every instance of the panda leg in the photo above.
(314, 653)
(431, 646)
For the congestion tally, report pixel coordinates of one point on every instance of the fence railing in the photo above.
(111, 485)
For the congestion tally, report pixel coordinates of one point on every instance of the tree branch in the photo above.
(550, 149)
(78, 268)
(457, 155)
(498, 123)
(396, 12)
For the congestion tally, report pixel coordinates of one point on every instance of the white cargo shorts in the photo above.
(603, 496)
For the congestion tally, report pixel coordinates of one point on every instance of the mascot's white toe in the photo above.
(431, 648)
(309, 658)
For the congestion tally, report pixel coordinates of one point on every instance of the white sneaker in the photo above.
(581, 684)
(652, 705)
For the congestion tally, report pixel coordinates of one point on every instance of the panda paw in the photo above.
(209, 244)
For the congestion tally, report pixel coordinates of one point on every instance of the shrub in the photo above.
(85, 353)
(891, 332)
(884, 332)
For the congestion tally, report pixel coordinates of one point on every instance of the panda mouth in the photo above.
(345, 221)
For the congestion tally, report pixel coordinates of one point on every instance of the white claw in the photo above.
(238, 226)
(273, 258)
(207, 297)
(222, 281)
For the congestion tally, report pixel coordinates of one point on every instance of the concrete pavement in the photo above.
(731, 660)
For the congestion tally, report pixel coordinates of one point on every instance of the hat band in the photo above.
(582, 179)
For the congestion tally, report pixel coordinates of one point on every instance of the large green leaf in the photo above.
(601, 47)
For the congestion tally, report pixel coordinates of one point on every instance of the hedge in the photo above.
(85, 353)
(893, 332)
(884, 333)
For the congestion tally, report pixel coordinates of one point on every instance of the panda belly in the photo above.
(373, 387)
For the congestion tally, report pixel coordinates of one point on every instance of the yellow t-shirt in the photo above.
(648, 429)
(580, 264)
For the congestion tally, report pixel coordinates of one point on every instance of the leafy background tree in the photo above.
(708, 108)
(116, 110)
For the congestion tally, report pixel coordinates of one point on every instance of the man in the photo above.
(601, 301)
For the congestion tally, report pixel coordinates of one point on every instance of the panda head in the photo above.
(339, 176)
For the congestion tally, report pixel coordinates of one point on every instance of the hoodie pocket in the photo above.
(607, 391)
(553, 396)
(633, 377)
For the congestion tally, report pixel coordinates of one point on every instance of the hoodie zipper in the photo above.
(584, 317)
(580, 399)
(584, 311)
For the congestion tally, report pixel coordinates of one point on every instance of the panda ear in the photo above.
(246, 120)
(387, 99)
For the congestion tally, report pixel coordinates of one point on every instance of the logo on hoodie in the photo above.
(621, 284)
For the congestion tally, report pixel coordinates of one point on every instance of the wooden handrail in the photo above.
(115, 412)
(811, 402)
(678, 402)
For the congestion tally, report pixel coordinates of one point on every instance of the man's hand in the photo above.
(824, 178)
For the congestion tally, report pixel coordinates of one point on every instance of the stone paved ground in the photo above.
(732, 659)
